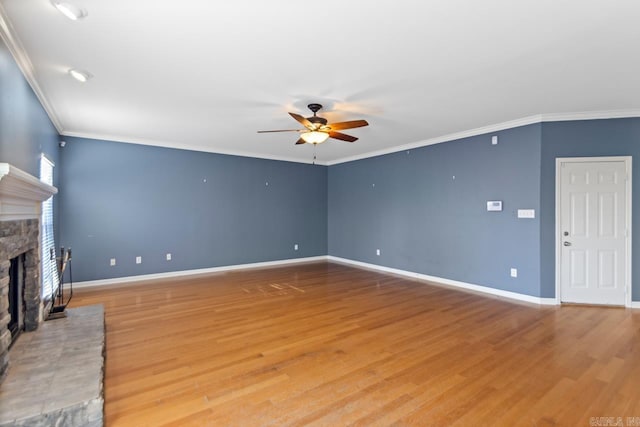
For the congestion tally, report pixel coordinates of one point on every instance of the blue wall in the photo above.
(619, 137)
(25, 128)
(425, 221)
(124, 200)
(121, 200)
(409, 205)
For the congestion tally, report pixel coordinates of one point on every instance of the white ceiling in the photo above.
(207, 75)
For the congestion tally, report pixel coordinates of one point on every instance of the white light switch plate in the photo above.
(526, 213)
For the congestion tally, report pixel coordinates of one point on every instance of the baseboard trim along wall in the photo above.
(438, 280)
(197, 272)
(448, 282)
(410, 274)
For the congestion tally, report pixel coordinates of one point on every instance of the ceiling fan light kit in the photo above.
(315, 137)
(318, 130)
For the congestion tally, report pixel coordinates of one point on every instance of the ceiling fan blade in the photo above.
(348, 125)
(302, 120)
(342, 136)
(300, 141)
(283, 130)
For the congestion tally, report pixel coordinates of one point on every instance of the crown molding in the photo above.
(539, 118)
(445, 138)
(189, 147)
(9, 36)
(524, 121)
(590, 115)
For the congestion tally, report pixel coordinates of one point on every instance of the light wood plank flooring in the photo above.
(327, 344)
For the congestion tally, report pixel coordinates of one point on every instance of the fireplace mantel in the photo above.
(21, 194)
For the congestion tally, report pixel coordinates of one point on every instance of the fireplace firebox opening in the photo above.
(16, 297)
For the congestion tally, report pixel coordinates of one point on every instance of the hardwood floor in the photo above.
(327, 344)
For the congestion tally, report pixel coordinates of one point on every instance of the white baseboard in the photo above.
(200, 271)
(438, 280)
(448, 282)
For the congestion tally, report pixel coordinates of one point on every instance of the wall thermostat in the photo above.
(494, 205)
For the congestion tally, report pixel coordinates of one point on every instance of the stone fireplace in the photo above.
(54, 374)
(21, 196)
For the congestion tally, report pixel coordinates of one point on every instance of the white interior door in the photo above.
(594, 228)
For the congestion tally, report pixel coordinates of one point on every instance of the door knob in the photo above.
(567, 243)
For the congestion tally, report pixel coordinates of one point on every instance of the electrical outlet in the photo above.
(295, 247)
(112, 262)
(378, 252)
(168, 257)
(514, 272)
(138, 260)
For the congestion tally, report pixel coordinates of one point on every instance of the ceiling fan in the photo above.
(317, 130)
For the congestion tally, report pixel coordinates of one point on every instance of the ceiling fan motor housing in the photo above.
(317, 120)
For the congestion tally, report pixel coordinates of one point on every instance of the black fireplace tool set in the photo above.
(60, 301)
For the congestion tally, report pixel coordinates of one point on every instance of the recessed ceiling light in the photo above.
(80, 75)
(69, 10)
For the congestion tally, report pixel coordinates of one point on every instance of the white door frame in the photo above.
(627, 163)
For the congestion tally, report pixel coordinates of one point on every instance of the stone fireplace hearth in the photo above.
(21, 196)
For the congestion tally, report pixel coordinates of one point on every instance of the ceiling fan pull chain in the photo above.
(314, 153)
